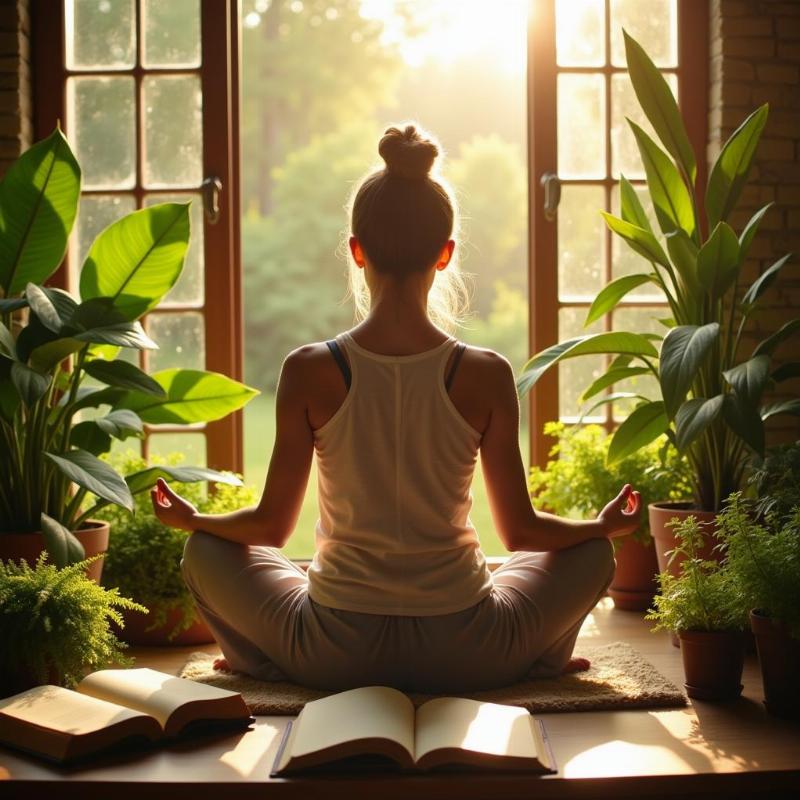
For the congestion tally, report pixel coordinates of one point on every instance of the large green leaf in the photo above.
(124, 375)
(38, 202)
(191, 396)
(46, 356)
(30, 384)
(121, 423)
(786, 371)
(43, 307)
(683, 252)
(749, 232)
(64, 549)
(784, 407)
(122, 334)
(614, 397)
(8, 347)
(671, 200)
(644, 424)
(659, 105)
(639, 240)
(749, 378)
(614, 342)
(693, 417)
(145, 479)
(631, 209)
(88, 436)
(718, 260)
(682, 354)
(610, 378)
(612, 293)
(136, 260)
(771, 343)
(729, 173)
(94, 475)
(745, 421)
(764, 281)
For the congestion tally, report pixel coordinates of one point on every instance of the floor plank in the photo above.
(731, 749)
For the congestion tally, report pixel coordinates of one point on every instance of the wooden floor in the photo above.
(729, 750)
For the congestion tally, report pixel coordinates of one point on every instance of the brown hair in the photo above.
(403, 218)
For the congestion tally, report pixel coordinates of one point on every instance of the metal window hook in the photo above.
(552, 195)
(211, 188)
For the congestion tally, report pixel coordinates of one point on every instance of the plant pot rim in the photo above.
(679, 505)
(88, 525)
(695, 634)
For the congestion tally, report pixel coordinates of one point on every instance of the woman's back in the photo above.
(395, 466)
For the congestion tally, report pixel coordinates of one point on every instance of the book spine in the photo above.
(548, 747)
(284, 739)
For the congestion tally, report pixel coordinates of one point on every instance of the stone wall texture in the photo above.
(16, 124)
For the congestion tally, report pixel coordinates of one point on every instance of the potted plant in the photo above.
(55, 624)
(710, 384)
(143, 561)
(53, 481)
(576, 481)
(764, 558)
(705, 607)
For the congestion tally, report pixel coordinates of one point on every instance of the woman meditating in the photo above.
(398, 592)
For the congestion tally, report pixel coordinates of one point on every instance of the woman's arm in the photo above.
(272, 521)
(519, 526)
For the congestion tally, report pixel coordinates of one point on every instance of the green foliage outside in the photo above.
(763, 558)
(143, 557)
(577, 482)
(706, 596)
(56, 622)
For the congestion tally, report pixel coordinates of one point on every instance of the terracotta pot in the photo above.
(664, 537)
(779, 656)
(712, 663)
(634, 581)
(28, 546)
(135, 623)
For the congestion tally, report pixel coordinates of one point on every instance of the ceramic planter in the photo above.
(661, 514)
(27, 546)
(779, 656)
(135, 624)
(712, 663)
(634, 582)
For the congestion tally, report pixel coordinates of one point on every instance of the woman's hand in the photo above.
(171, 508)
(622, 515)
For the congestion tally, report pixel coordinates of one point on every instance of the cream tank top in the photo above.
(395, 465)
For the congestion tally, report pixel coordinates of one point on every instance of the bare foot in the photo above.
(222, 664)
(577, 665)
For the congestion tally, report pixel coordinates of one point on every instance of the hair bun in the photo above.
(407, 153)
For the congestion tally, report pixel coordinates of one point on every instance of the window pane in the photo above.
(171, 33)
(625, 156)
(581, 241)
(173, 147)
(97, 212)
(625, 261)
(102, 130)
(654, 24)
(100, 34)
(191, 445)
(581, 126)
(575, 374)
(180, 338)
(580, 33)
(189, 289)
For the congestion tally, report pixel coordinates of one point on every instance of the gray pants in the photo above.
(256, 603)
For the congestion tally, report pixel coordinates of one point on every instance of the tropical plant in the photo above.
(705, 596)
(576, 481)
(55, 623)
(763, 557)
(776, 481)
(50, 343)
(143, 559)
(710, 403)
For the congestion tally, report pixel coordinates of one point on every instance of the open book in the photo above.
(112, 705)
(444, 732)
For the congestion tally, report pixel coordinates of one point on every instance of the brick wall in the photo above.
(755, 59)
(16, 124)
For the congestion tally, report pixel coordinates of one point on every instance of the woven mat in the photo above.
(619, 678)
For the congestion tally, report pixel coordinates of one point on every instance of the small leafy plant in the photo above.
(776, 482)
(764, 558)
(54, 623)
(578, 482)
(704, 597)
(143, 557)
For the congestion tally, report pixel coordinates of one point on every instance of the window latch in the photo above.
(211, 187)
(552, 195)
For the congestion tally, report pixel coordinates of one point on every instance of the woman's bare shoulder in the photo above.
(486, 363)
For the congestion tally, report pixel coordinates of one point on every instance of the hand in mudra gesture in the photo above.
(171, 508)
(623, 514)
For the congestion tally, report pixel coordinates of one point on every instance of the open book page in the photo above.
(454, 730)
(47, 719)
(333, 725)
(172, 701)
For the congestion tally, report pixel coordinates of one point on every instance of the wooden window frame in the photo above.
(219, 76)
(693, 88)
